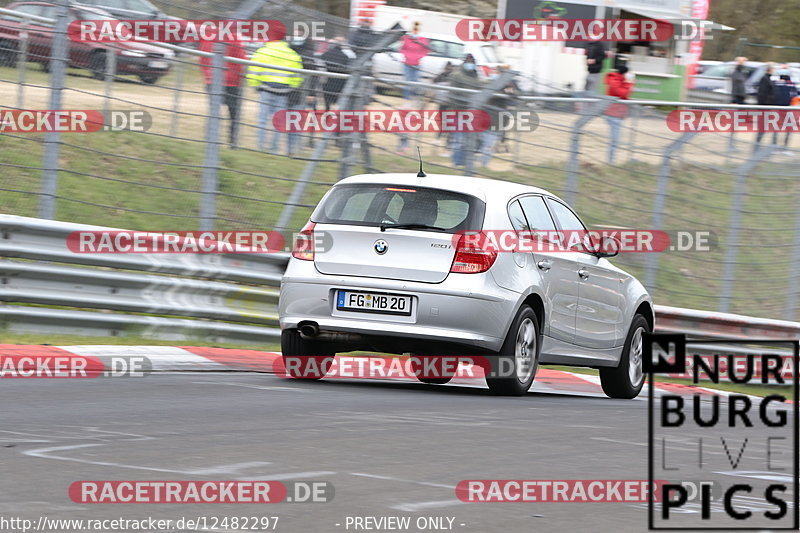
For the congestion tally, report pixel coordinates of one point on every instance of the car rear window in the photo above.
(376, 204)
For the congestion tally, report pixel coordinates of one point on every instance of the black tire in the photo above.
(417, 367)
(618, 382)
(149, 79)
(97, 65)
(8, 54)
(506, 362)
(303, 358)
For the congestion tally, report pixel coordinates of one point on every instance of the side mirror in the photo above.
(608, 247)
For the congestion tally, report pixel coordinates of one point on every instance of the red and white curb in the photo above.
(209, 359)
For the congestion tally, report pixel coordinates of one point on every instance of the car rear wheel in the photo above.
(514, 367)
(8, 53)
(149, 79)
(626, 380)
(304, 358)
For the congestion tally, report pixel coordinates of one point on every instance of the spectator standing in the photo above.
(738, 79)
(464, 77)
(336, 59)
(232, 80)
(413, 48)
(595, 55)
(766, 96)
(301, 97)
(362, 38)
(495, 107)
(785, 92)
(274, 85)
(620, 86)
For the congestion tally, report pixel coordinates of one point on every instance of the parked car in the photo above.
(704, 65)
(443, 49)
(144, 60)
(716, 79)
(392, 279)
(127, 9)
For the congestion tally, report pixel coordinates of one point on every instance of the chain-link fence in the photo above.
(194, 167)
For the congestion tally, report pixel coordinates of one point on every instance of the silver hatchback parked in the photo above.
(388, 275)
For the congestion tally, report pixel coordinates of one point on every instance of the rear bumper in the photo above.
(466, 309)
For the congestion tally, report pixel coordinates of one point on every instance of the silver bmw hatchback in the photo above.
(379, 267)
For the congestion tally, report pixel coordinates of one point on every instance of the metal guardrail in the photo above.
(45, 287)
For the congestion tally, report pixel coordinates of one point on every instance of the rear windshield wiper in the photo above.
(384, 227)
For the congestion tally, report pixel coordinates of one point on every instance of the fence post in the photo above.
(176, 96)
(208, 199)
(110, 74)
(22, 64)
(52, 139)
(651, 261)
(571, 187)
(732, 245)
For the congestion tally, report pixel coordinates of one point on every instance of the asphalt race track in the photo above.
(390, 448)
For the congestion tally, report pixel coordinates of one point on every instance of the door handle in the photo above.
(583, 273)
(544, 265)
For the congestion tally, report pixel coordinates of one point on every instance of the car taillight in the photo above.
(304, 243)
(471, 258)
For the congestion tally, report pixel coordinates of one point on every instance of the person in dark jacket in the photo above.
(337, 59)
(738, 79)
(464, 77)
(362, 39)
(299, 97)
(766, 96)
(595, 55)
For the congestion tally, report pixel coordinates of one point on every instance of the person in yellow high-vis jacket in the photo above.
(273, 86)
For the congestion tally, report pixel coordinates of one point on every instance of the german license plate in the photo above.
(370, 302)
(158, 64)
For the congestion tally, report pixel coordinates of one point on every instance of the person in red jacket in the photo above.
(232, 80)
(413, 48)
(619, 86)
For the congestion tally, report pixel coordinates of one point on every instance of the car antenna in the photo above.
(421, 173)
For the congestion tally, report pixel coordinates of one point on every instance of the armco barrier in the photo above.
(45, 287)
